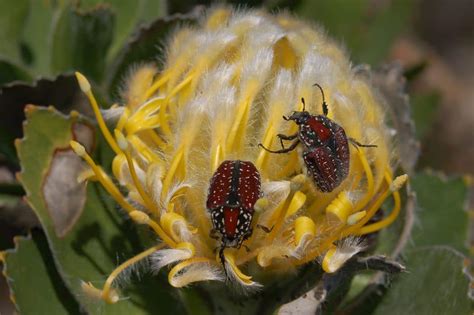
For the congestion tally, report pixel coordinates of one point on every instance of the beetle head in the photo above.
(299, 117)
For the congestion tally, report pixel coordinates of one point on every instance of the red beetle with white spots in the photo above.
(233, 192)
(326, 149)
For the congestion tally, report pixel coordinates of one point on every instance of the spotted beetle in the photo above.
(326, 149)
(233, 192)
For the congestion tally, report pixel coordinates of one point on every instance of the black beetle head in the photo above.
(299, 117)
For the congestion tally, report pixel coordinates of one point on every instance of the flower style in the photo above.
(223, 90)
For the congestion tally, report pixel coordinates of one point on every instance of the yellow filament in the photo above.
(296, 203)
(386, 221)
(155, 138)
(157, 84)
(370, 180)
(131, 166)
(98, 115)
(168, 221)
(327, 259)
(103, 179)
(277, 220)
(162, 114)
(231, 261)
(123, 119)
(237, 131)
(185, 264)
(144, 150)
(304, 226)
(110, 279)
(338, 234)
(267, 143)
(170, 175)
(217, 157)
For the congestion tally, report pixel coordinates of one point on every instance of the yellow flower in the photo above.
(223, 90)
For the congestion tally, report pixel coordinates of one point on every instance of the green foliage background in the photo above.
(44, 41)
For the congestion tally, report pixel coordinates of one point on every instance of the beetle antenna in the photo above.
(325, 106)
(304, 104)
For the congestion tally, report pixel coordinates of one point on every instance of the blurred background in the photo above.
(432, 39)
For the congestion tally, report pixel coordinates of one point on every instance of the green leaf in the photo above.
(33, 280)
(62, 91)
(425, 107)
(130, 15)
(37, 34)
(81, 40)
(435, 284)
(86, 235)
(12, 72)
(12, 19)
(143, 46)
(441, 216)
(368, 30)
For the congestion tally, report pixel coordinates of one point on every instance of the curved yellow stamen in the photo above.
(168, 221)
(141, 217)
(230, 259)
(370, 181)
(217, 157)
(157, 84)
(267, 143)
(237, 131)
(386, 221)
(144, 150)
(176, 269)
(106, 296)
(175, 166)
(160, 143)
(339, 234)
(123, 119)
(86, 88)
(164, 125)
(123, 144)
(101, 176)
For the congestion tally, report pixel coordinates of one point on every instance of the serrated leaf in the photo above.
(435, 284)
(81, 40)
(441, 216)
(12, 72)
(33, 280)
(12, 18)
(86, 247)
(143, 46)
(62, 91)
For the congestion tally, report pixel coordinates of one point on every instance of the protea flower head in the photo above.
(223, 90)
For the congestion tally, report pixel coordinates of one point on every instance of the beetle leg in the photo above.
(264, 228)
(213, 234)
(358, 144)
(286, 137)
(291, 148)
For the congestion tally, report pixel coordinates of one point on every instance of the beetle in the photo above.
(234, 189)
(325, 146)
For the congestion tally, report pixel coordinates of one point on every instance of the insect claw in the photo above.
(264, 228)
(285, 118)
